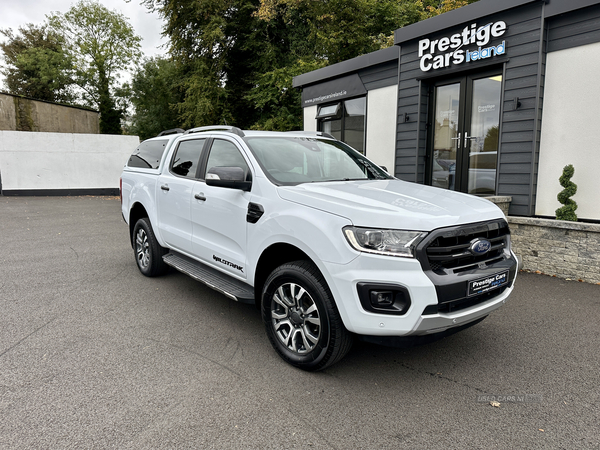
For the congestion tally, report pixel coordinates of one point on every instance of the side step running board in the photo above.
(226, 285)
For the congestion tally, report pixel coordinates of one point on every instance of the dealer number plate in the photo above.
(488, 283)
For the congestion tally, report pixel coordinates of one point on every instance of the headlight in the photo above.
(384, 242)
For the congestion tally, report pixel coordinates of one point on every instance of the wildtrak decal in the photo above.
(227, 263)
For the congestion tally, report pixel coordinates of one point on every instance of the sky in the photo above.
(15, 13)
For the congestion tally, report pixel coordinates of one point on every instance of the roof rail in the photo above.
(234, 130)
(312, 133)
(171, 131)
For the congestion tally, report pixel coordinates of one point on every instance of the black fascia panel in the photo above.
(346, 67)
(556, 7)
(459, 16)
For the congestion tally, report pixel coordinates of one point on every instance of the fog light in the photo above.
(382, 298)
(401, 302)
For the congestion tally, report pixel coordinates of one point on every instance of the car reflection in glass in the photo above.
(482, 173)
(444, 171)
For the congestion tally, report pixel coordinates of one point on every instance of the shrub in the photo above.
(567, 212)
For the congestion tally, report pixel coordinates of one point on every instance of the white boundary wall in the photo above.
(570, 129)
(49, 161)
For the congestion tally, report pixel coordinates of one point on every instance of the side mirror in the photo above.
(228, 177)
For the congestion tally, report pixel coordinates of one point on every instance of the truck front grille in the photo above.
(448, 250)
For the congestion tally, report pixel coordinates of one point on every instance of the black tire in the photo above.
(301, 318)
(148, 252)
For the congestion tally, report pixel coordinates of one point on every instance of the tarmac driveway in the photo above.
(94, 355)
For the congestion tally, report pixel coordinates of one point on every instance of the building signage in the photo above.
(334, 90)
(469, 45)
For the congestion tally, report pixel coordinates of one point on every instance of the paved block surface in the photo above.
(95, 355)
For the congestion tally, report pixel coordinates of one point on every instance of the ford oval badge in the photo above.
(480, 246)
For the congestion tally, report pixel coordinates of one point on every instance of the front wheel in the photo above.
(148, 252)
(301, 318)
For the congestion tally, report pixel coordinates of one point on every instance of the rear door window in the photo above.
(148, 154)
(187, 158)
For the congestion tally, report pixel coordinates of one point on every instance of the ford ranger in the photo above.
(325, 242)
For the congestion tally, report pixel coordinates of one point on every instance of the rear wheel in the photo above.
(301, 318)
(148, 252)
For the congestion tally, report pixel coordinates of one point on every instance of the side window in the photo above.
(148, 154)
(345, 121)
(225, 154)
(186, 158)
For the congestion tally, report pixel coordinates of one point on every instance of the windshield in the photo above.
(295, 160)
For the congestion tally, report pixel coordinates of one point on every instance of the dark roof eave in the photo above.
(346, 67)
(460, 16)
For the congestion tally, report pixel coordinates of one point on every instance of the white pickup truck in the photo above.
(326, 243)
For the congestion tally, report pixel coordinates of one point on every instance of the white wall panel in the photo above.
(310, 121)
(382, 114)
(570, 129)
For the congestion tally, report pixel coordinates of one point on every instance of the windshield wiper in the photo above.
(340, 179)
(372, 170)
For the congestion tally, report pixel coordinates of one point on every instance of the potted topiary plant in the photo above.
(567, 212)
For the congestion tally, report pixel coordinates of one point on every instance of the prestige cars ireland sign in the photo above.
(472, 44)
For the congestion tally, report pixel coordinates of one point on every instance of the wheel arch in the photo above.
(272, 257)
(137, 212)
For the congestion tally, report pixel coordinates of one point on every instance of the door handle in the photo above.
(468, 138)
(456, 139)
(165, 187)
(200, 197)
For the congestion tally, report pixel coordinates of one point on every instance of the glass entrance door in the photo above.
(464, 141)
(446, 135)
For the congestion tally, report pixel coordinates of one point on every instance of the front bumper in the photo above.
(406, 273)
(436, 323)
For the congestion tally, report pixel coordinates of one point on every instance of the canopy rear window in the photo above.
(148, 154)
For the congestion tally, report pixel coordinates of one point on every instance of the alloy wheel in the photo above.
(142, 248)
(295, 318)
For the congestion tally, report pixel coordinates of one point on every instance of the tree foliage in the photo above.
(102, 43)
(210, 41)
(337, 30)
(435, 8)
(278, 104)
(237, 58)
(155, 93)
(36, 64)
(231, 61)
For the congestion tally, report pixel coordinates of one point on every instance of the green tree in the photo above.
(342, 29)
(338, 30)
(102, 43)
(36, 65)
(433, 8)
(238, 57)
(211, 41)
(316, 34)
(154, 93)
(490, 143)
(278, 104)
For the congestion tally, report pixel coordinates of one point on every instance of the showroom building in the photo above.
(491, 99)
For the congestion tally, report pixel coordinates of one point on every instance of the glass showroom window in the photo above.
(345, 121)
